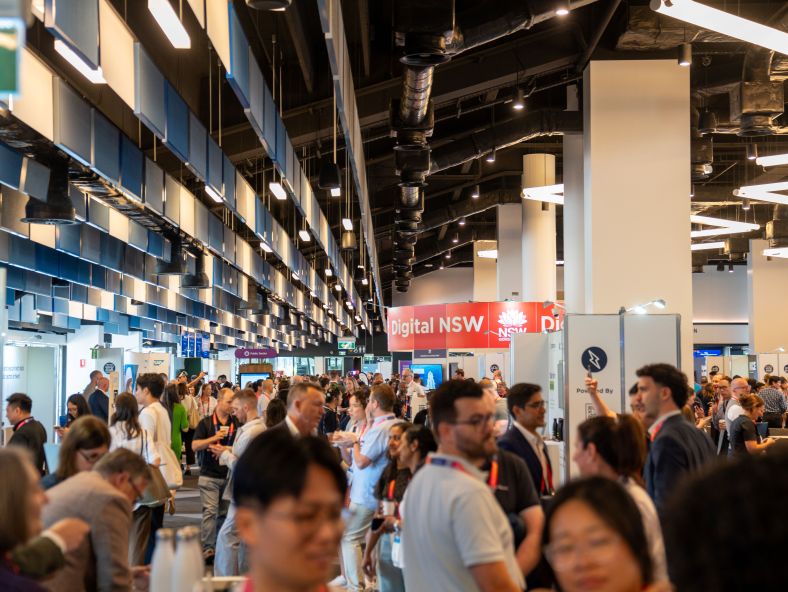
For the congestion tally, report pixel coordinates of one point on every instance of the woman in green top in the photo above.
(178, 419)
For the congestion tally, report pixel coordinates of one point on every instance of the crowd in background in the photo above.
(403, 489)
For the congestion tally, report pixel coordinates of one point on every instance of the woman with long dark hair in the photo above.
(87, 441)
(76, 407)
(178, 419)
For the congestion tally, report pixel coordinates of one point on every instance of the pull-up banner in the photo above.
(476, 325)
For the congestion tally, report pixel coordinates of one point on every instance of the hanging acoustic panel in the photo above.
(77, 23)
(172, 202)
(105, 147)
(215, 164)
(117, 52)
(197, 159)
(34, 179)
(238, 70)
(228, 178)
(131, 169)
(257, 90)
(201, 215)
(154, 186)
(10, 166)
(72, 123)
(177, 123)
(149, 99)
(35, 103)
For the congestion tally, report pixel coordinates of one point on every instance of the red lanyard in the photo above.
(549, 482)
(492, 480)
(23, 423)
(230, 433)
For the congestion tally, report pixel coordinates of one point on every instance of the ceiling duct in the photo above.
(253, 301)
(469, 207)
(198, 279)
(57, 209)
(177, 263)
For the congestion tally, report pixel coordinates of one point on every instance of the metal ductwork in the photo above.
(777, 228)
(177, 263)
(469, 207)
(198, 279)
(701, 146)
(544, 122)
(58, 208)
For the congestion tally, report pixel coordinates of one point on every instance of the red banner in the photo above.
(471, 325)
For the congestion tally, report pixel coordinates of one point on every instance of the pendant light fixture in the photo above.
(685, 55)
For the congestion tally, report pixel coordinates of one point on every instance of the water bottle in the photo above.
(189, 567)
(163, 559)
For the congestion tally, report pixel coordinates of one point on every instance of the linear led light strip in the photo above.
(723, 226)
(707, 17)
(764, 192)
(708, 246)
(781, 252)
(772, 160)
(549, 193)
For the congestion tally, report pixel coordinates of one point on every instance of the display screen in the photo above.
(346, 343)
(247, 378)
(431, 375)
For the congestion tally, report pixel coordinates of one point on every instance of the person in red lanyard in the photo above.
(217, 428)
(289, 493)
(28, 432)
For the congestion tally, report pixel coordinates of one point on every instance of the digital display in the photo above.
(431, 375)
(346, 343)
(247, 378)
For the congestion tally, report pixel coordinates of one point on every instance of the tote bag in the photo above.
(170, 466)
(157, 492)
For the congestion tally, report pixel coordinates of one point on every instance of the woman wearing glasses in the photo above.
(87, 440)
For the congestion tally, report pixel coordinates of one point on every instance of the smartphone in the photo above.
(377, 522)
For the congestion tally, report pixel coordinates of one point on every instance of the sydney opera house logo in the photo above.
(511, 322)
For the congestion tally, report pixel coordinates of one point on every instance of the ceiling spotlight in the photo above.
(461, 222)
(745, 204)
(752, 151)
(441, 267)
(278, 191)
(304, 236)
(685, 54)
(448, 255)
(730, 267)
(563, 8)
(364, 281)
(475, 192)
(336, 191)
(329, 273)
(455, 239)
(347, 223)
(519, 100)
(490, 156)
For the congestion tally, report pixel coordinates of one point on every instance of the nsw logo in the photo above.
(511, 322)
(594, 359)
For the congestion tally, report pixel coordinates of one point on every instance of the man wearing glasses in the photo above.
(103, 498)
(527, 407)
(739, 388)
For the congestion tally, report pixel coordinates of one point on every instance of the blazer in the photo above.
(32, 435)
(513, 441)
(101, 562)
(679, 450)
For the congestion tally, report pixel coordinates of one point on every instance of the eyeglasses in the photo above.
(476, 421)
(536, 405)
(138, 494)
(603, 548)
(91, 458)
(310, 519)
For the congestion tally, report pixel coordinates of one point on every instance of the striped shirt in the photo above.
(774, 401)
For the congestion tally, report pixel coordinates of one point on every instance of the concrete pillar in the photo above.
(485, 288)
(510, 253)
(636, 186)
(766, 284)
(538, 238)
(574, 225)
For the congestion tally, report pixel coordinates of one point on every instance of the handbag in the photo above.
(170, 467)
(194, 415)
(157, 492)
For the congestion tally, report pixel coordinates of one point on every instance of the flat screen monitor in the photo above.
(431, 375)
(247, 378)
(346, 343)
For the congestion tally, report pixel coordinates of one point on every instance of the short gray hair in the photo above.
(299, 390)
(122, 461)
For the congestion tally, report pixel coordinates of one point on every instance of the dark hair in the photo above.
(384, 395)
(275, 465)
(324, 382)
(773, 380)
(620, 442)
(14, 521)
(151, 381)
(520, 394)
(423, 437)
(361, 396)
(300, 389)
(442, 404)
(170, 398)
(275, 413)
(122, 460)
(245, 396)
(332, 395)
(81, 404)
(669, 377)
(21, 401)
(633, 390)
(85, 433)
(258, 384)
(182, 390)
(616, 508)
(94, 374)
(127, 411)
(742, 491)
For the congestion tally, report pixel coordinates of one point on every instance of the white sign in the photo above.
(649, 339)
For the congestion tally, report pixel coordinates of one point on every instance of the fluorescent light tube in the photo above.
(781, 252)
(707, 17)
(213, 194)
(173, 28)
(304, 236)
(266, 247)
(296, 277)
(549, 193)
(329, 273)
(773, 160)
(95, 75)
(347, 223)
(723, 226)
(707, 246)
(278, 191)
(489, 254)
(336, 191)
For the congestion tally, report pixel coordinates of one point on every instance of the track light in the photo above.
(475, 192)
(745, 204)
(169, 22)
(519, 100)
(730, 267)
(461, 222)
(685, 54)
(490, 156)
(752, 151)
(278, 191)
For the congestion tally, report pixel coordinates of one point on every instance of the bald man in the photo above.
(99, 400)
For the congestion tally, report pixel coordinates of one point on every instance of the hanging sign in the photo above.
(243, 353)
(475, 325)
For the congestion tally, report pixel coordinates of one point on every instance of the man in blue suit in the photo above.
(678, 448)
(527, 406)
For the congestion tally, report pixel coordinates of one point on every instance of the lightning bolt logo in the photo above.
(593, 360)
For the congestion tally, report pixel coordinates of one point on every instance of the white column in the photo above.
(574, 225)
(485, 288)
(538, 238)
(636, 150)
(766, 284)
(510, 254)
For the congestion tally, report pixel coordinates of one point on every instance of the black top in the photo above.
(743, 430)
(209, 465)
(32, 435)
(401, 478)
(329, 423)
(99, 405)
(515, 490)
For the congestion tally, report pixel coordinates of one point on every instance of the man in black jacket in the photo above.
(28, 432)
(678, 448)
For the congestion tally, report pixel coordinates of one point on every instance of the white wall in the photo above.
(766, 299)
(720, 296)
(442, 286)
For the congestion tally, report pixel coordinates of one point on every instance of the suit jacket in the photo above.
(99, 404)
(32, 435)
(679, 450)
(514, 442)
(101, 561)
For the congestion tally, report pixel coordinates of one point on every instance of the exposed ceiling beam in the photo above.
(363, 22)
(298, 35)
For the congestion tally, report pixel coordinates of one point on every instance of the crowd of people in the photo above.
(397, 488)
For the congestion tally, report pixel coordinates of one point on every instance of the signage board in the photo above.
(243, 353)
(346, 343)
(429, 353)
(475, 325)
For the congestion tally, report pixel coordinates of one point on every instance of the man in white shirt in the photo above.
(264, 396)
(739, 388)
(154, 420)
(417, 397)
(230, 557)
(455, 534)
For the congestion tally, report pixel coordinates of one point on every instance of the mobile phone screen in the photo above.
(377, 523)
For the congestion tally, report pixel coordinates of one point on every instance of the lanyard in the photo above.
(547, 486)
(23, 423)
(391, 489)
(492, 480)
(229, 436)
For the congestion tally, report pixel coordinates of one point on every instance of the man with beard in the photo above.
(455, 535)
